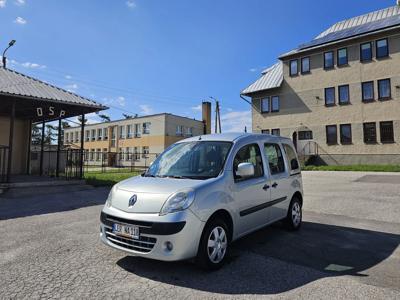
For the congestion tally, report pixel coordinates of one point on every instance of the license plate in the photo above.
(126, 230)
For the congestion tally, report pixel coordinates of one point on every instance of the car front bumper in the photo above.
(181, 229)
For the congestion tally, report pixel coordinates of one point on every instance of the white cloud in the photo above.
(3, 3)
(118, 101)
(32, 65)
(20, 21)
(146, 109)
(19, 2)
(235, 121)
(253, 70)
(68, 77)
(131, 4)
(91, 118)
(197, 108)
(71, 87)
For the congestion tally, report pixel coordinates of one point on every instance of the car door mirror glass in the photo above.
(245, 170)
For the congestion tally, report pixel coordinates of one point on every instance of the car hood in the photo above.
(151, 193)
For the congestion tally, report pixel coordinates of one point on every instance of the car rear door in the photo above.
(279, 183)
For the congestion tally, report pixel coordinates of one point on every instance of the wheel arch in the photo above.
(299, 196)
(226, 217)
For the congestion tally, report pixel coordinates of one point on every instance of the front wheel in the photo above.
(294, 215)
(213, 246)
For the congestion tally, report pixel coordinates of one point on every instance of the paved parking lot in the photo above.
(348, 247)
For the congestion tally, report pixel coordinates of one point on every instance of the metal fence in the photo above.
(102, 162)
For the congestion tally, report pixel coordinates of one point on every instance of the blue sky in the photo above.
(151, 56)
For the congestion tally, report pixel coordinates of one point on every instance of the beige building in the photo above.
(338, 96)
(138, 140)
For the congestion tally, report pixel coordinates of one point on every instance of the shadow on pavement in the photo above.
(267, 261)
(11, 208)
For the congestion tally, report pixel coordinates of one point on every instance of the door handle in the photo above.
(265, 187)
(274, 185)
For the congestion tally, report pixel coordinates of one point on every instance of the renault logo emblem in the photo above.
(132, 200)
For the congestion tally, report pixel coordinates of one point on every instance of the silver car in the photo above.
(201, 194)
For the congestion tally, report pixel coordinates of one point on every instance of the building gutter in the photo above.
(251, 104)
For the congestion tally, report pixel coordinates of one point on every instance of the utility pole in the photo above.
(217, 116)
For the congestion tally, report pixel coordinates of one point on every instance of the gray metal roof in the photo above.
(271, 78)
(358, 26)
(17, 84)
(361, 20)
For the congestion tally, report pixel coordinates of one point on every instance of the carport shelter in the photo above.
(26, 101)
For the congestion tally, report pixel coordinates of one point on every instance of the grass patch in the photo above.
(359, 168)
(108, 179)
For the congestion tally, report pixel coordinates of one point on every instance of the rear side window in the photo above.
(251, 154)
(275, 158)
(294, 165)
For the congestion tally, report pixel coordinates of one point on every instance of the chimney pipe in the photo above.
(206, 116)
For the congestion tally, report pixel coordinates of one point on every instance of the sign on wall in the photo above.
(51, 112)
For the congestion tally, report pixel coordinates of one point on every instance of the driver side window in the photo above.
(249, 154)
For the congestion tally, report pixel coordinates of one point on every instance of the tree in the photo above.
(105, 118)
(50, 134)
(80, 120)
(36, 135)
(126, 116)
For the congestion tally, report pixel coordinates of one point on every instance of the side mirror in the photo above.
(245, 170)
(294, 164)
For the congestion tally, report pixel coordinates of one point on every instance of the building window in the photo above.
(137, 130)
(275, 104)
(367, 91)
(189, 131)
(105, 133)
(329, 61)
(145, 152)
(76, 136)
(342, 58)
(87, 135)
(129, 133)
(331, 134)
(92, 151)
(265, 131)
(382, 48)
(146, 128)
(366, 51)
(93, 135)
(113, 136)
(265, 105)
(128, 154)
(345, 134)
(294, 68)
(179, 130)
(66, 137)
(387, 134)
(99, 134)
(98, 154)
(384, 90)
(330, 96)
(121, 132)
(344, 94)
(305, 135)
(305, 65)
(369, 133)
(276, 131)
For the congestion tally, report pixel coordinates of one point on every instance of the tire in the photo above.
(213, 257)
(294, 215)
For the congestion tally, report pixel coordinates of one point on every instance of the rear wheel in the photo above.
(213, 246)
(295, 214)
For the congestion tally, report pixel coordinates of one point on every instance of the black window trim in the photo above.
(327, 140)
(269, 105)
(297, 67)
(373, 92)
(347, 57)
(372, 55)
(380, 133)
(333, 60)
(334, 96)
(309, 65)
(379, 90)
(348, 94)
(364, 132)
(341, 136)
(387, 48)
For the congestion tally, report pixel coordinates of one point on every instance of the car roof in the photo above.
(235, 137)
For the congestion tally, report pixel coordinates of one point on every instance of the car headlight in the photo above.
(110, 196)
(178, 201)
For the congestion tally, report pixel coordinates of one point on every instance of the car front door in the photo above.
(279, 183)
(250, 193)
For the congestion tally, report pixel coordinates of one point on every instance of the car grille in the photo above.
(144, 244)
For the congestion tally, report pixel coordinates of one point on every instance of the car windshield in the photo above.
(193, 160)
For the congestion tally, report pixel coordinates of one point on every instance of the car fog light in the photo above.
(168, 246)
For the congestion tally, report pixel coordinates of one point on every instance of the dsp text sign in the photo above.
(51, 112)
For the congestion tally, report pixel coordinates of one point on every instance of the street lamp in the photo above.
(10, 44)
